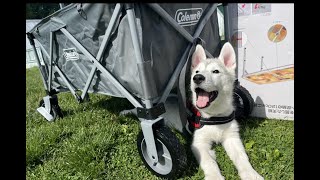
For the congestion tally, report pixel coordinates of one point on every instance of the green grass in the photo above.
(93, 142)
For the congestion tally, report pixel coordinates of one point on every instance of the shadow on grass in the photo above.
(251, 123)
(192, 164)
(114, 104)
(63, 136)
(36, 161)
(67, 112)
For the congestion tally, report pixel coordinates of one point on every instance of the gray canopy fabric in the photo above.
(161, 45)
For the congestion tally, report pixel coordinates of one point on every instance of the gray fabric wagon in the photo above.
(134, 51)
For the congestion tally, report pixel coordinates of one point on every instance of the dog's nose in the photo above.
(198, 78)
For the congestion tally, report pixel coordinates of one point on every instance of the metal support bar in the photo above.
(180, 29)
(72, 90)
(203, 22)
(128, 6)
(63, 76)
(227, 25)
(50, 61)
(113, 80)
(146, 125)
(42, 48)
(226, 21)
(41, 68)
(135, 35)
(175, 75)
(45, 111)
(157, 8)
(139, 57)
(102, 48)
(244, 61)
(147, 131)
(177, 27)
(45, 66)
(183, 58)
(61, 5)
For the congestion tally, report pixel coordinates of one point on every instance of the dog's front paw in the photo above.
(251, 175)
(214, 177)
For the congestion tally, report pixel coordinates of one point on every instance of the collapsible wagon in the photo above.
(136, 51)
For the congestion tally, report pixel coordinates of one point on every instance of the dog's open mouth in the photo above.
(204, 98)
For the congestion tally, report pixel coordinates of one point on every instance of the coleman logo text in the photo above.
(188, 17)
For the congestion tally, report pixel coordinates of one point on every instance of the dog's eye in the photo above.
(215, 71)
(197, 71)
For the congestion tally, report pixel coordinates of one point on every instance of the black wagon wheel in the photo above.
(171, 154)
(55, 108)
(244, 102)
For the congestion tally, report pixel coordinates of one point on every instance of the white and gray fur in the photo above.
(226, 134)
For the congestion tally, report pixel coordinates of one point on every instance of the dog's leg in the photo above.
(237, 154)
(206, 159)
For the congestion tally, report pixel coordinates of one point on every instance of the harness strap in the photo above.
(217, 120)
(197, 122)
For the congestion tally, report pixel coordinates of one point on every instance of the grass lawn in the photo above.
(93, 142)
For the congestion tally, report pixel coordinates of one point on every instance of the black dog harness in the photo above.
(196, 121)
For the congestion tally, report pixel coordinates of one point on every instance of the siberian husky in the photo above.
(212, 82)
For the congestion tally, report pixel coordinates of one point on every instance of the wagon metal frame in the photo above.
(148, 109)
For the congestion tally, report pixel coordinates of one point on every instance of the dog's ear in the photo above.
(228, 56)
(198, 56)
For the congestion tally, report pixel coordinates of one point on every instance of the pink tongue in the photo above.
(203, 99)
